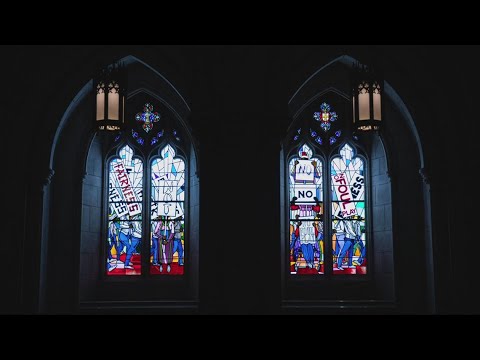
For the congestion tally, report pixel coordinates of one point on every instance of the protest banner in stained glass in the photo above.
(124, 229)
(167, 238)
(306, 214)
(348, 213)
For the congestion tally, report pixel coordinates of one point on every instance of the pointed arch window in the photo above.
(140, 198)
(146, 210)
(327, 191)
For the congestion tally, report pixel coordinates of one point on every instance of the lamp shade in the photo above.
(367, 88)
(110, 99)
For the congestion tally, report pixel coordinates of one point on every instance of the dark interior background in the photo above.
(239, 99)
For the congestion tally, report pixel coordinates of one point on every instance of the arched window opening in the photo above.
(152, 135)
(345, 245)
(140, 200)
(324, 136)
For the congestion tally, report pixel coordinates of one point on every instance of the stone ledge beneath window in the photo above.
(366, 307)
(139, 307)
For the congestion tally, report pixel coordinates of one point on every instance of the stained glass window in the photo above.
(306, 213)
(161, 235)
(167, 238)
(124, 230)
(348, 213)
(326, 224)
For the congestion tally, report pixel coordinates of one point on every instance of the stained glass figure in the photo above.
(124, 229)
(167, 238)
(348, 213)
(306, 213)
(148, 117)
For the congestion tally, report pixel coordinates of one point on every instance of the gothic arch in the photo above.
(58, 234)
(396, 158)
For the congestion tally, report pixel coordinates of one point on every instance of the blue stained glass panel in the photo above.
(306, 214)
(349, 241)
(167, 237)
(124, 225)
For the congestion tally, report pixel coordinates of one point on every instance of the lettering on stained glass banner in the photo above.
(344, 195)
(305, 192)
(170, 209)
(116, 202)
(127, 190)
(304, 171)
(358, 187)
